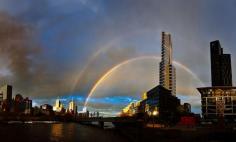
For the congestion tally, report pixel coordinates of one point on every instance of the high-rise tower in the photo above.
(167, 70)
(221, 71)
(218, 101)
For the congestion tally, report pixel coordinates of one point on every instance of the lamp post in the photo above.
(154, 113)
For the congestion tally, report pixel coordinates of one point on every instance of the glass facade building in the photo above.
(221, 72)
(219, 100)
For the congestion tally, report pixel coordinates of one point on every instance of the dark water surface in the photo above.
(58, 132)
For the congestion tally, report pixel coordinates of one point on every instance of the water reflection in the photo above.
(59, 130)
(56, 131)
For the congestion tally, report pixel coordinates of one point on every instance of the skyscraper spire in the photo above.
(167, 70)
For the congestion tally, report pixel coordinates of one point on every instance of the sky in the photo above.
(62, 48)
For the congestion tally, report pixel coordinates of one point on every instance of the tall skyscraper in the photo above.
(221, 71)
(167, 70)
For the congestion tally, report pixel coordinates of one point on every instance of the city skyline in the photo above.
(63, 48)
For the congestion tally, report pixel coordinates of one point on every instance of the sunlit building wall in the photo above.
(167, 70)
(58, 106)
(131, 109)
(72, 107)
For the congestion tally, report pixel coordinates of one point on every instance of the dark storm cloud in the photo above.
(17, 49)
(21, 61)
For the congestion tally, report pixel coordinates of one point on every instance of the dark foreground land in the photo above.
(180, 135)
(73, 132)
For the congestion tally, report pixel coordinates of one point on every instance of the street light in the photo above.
(154, 113)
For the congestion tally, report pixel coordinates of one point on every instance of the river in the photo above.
(57, 132)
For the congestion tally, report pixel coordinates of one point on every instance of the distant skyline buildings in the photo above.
(72, 107)
(221, 71)
(167, 70)
(5, 97)
(58, 106)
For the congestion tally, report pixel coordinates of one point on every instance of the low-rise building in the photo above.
(218, 101)
(160, 100)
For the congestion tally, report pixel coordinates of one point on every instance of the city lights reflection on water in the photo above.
(56, 132)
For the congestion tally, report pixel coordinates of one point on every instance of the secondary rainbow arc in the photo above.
(104, 76)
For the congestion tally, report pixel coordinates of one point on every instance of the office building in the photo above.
(58, 106)
(221, 72)
(72, 107)
(28, 106)
(161, 100)
(219, 101)
(18, 104)
(167, 70)
(6, 97)
(21, 105)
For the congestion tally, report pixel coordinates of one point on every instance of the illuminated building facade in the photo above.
(167, 70)
(218, 102)
(221, 72)
(131, 110)
(72, 107)
(161, 100)
(58, 106)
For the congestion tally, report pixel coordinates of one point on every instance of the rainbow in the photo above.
(101, 50)
(90, 61)
(132, 60)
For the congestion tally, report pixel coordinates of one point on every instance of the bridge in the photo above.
(114, 120)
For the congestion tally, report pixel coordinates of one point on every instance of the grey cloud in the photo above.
(21, 57)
